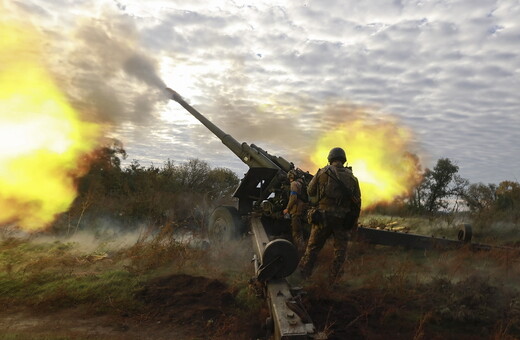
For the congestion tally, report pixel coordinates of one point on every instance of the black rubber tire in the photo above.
(224, 224)
(465, 233)
(287, 251)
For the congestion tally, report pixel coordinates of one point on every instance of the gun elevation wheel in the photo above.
(224, 224)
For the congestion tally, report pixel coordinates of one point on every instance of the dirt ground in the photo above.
(76, 324)
(193, 307)
(175, 307)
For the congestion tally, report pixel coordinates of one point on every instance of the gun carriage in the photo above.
(262, 195)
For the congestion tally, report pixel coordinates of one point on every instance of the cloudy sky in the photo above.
(279, 74)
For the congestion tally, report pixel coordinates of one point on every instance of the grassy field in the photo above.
(145, 285)
(87, 278)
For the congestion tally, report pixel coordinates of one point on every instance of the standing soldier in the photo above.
(296, 207)
(339, 203)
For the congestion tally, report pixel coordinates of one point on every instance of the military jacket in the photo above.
(325, 187)
(296, 206)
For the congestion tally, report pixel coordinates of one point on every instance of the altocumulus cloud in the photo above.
(274, 73)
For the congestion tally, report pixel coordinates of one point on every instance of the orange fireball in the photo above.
(42, 138)
(379, 153)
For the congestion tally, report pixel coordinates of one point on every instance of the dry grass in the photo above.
(56, 273)
(413, 294)
(405, 294)
(46, 274)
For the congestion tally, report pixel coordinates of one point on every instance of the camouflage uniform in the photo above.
(296, 207)
(339, 217)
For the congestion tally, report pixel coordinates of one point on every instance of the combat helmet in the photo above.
(337, 154)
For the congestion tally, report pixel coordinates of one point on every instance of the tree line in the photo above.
(442, 189)
(153, 195)
(176, 192)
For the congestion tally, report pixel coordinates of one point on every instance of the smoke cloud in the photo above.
(98, 61)
(143, 69)
(113, 81)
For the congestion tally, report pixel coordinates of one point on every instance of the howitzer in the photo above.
(262, 195)
(266, 173)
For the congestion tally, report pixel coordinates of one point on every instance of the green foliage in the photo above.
(508, 195)
(480, 197)
(490, 202)
(153, 195)
(437, 188)
(443, 190)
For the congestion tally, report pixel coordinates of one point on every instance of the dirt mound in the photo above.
(171, 307)
(377, 314)
(184, 299)
(346, 314)
(204, 306)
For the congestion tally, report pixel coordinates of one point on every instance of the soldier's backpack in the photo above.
(339, 185)
(303, 191)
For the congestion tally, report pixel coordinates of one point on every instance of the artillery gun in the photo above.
(264, 188)
(262, 195)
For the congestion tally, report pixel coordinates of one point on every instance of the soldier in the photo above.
(296, 207)
(339, 204)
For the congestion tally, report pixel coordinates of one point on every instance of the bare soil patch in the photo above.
(77, 323)
(198, 304)
(175, 307)
(372, 313)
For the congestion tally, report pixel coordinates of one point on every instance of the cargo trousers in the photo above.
(340, 228)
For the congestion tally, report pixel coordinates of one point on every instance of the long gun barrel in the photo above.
(260, 193)
(251, 155)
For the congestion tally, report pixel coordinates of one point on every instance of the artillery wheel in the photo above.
(465, 233)
(224, 224)
(279, 250)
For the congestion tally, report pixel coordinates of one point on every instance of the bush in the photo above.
(150, 195)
